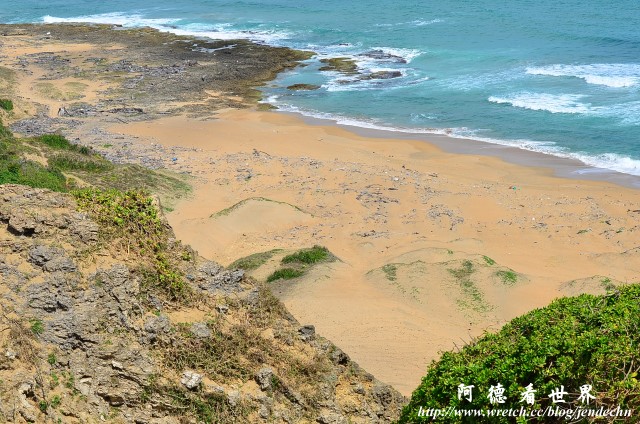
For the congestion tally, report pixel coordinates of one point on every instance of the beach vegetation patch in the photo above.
(31, 174)
(167, 185)
(6, 104)
(16, 170)
(508, 277)
(488, 260)
(285, 274)
(67, 162)
(254, 261)
(464, 272)
(300, 262)
(56, 141)
(607, 284)
(390, 271)
(309, 256)
(232, 208)
(573, 342)
(472, 297)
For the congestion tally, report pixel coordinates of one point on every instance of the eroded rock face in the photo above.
(81, 327)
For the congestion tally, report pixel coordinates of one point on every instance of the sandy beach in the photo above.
(407, 206)
(434, 248)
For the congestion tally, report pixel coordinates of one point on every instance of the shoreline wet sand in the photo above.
(434, 247)
(560, 166)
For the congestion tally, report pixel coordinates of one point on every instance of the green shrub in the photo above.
(68, 162)
(308, 256)
(6, 104)
(29, 173)
(37, 327)
(285, 274)
(572, 342)
(55, 141)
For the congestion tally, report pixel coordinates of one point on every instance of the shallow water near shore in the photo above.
(559, 78)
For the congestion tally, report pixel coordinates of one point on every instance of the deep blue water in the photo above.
(558, 76)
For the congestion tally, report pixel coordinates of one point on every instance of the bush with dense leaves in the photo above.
(576, 341)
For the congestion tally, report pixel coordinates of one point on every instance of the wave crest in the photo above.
(615, 75)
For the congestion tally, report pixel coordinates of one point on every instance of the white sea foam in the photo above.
(226, 32)
(615, 75)
(626, 114)
(222, 31)
(111, 18)
(361, 123)
(416, 22)
(554, 103)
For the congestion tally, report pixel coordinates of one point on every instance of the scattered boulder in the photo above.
(380, 75)
(200, 330)
(381, 55)
(307, 332)
(156, 326)
(191, 380)
(339, 357)
(264, 378)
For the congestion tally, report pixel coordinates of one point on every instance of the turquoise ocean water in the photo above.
(555, 76)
